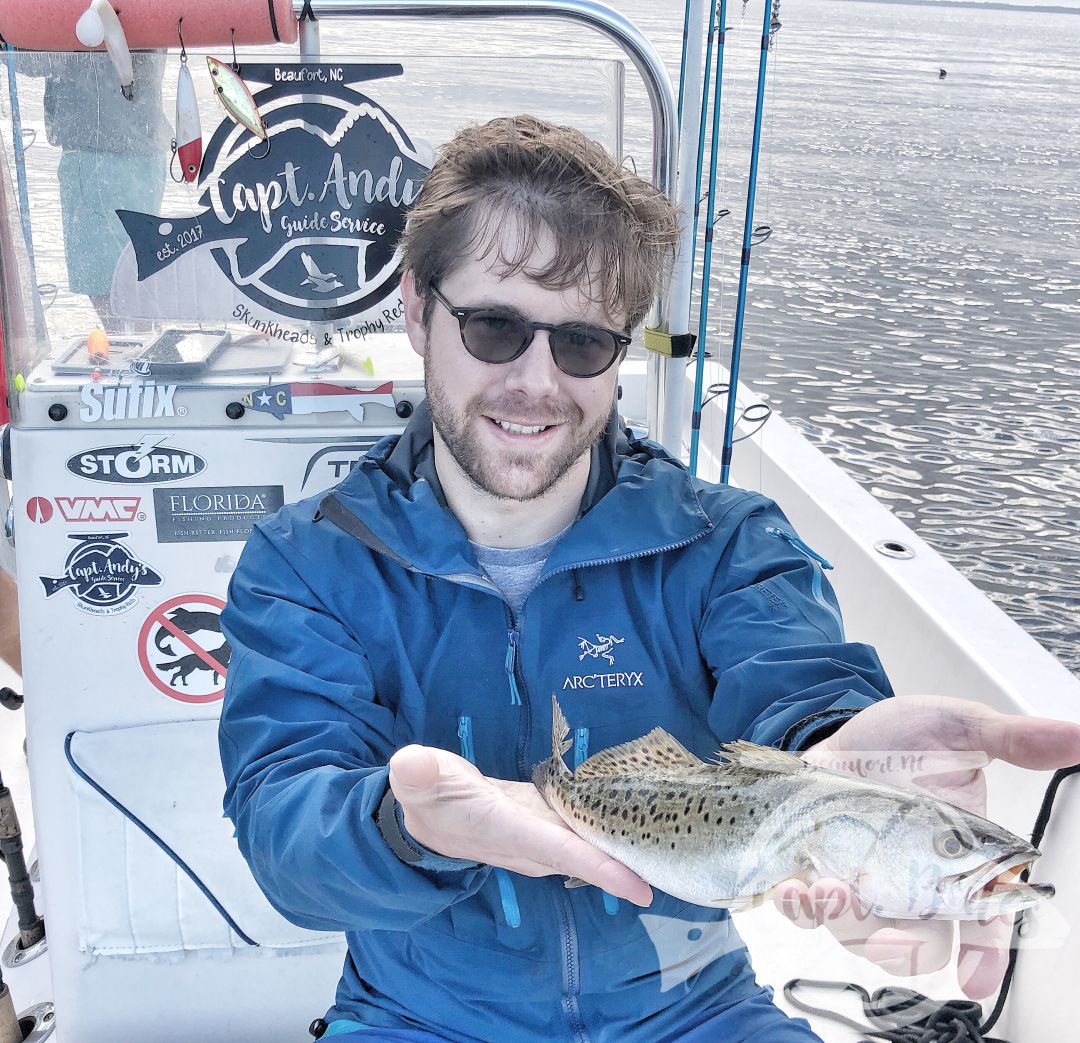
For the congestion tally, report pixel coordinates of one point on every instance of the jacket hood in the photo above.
(393, 502)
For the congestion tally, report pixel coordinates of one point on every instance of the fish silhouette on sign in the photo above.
(309, 229)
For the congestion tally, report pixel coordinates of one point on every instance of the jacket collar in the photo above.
(393, 502)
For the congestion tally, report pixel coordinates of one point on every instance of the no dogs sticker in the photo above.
(182, 650)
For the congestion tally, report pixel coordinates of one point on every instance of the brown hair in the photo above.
(614, 233)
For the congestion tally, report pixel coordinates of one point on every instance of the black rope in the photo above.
(1041, 821)
(905, 1016)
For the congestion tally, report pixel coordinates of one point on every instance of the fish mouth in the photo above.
(997, 883)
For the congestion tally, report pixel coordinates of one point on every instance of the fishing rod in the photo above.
(19, 149)
(682, 60)
(771, 23)
(705, 110)
(710, 214)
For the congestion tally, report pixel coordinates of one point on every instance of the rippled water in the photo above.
(918, 314)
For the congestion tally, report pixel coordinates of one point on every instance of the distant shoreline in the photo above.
(983, 5)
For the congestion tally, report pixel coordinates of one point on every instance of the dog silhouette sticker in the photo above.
(182, 651)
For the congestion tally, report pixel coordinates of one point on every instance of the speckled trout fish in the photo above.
(727, 833)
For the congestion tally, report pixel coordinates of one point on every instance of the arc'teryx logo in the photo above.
(603, 648)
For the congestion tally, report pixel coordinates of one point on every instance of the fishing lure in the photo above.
(187, 145)
(99, 24)
(235, 97)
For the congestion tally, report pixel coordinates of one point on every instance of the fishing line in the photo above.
(905, 1016)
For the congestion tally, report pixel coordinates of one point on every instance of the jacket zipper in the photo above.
(820, 563)
(571, 983)
(507, 891)
(581, 755)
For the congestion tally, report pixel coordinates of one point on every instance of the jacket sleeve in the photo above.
(304, 740)
(773, 637)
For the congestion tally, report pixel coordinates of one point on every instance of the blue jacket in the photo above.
(360, 622)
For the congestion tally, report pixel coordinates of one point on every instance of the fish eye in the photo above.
(950, 844)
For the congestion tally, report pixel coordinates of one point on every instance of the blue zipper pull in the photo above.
(798, 545)
(464, 732)
(511, 661)
(581, 746)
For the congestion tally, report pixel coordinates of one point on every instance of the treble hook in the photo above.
(183, 49)
(235, 63)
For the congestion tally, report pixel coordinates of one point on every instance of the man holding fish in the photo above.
(399, 643)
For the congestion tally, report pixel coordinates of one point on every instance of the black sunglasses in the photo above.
(496, 335)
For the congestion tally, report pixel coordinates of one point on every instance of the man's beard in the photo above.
(500, 476)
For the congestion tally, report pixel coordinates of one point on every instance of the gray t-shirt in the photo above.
(515, 570)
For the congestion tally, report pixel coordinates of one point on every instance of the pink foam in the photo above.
(49, 25)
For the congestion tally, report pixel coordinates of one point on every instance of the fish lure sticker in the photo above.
(102, 575)
(299, 399)
(307, 228)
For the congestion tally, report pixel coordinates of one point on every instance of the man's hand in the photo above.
(940, 725)
(452, 809)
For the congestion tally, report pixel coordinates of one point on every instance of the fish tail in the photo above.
(155, 250)
(559, 732)
(54, 586)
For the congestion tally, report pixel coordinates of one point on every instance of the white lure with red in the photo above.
(189, 145)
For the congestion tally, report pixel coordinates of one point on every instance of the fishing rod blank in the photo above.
(748, 236)
(710, 218)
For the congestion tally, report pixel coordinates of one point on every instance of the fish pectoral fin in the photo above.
(658, 749)
(743, 754)
(573, 881)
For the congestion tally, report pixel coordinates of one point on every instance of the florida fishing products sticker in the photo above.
(101, 574)
(213, 514)
(305, 224)
(182, 651)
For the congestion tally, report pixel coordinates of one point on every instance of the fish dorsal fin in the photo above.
(657, 750)
(743, 754)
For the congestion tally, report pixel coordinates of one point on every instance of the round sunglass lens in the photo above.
(492, 337)
(583, 351)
